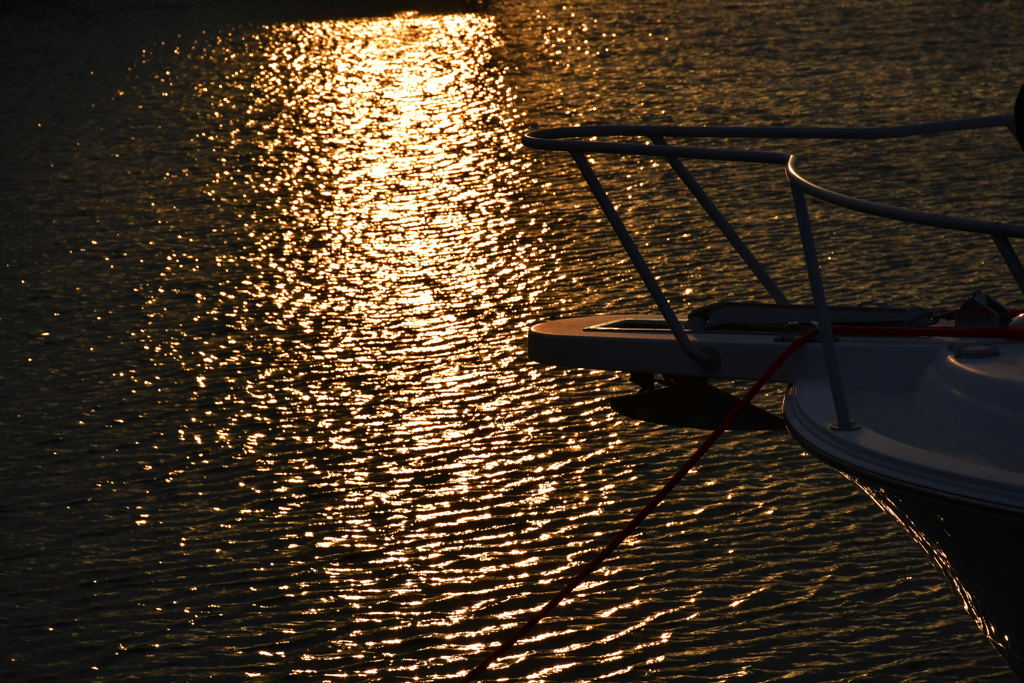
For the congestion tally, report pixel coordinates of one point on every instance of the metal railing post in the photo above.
(828, 341)
(1009, 255)
(702, 356)
(729, 232)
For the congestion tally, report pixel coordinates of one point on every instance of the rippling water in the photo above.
(267, 284)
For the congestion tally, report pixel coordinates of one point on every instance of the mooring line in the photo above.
(705, 446)
(644, 512)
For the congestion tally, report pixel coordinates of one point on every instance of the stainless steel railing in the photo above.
(582, 141)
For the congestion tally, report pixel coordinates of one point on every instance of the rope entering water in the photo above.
(705, 446)
(644, 512)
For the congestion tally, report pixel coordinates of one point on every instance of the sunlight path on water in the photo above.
(369, 377)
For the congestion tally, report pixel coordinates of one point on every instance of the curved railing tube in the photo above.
(724, 226)
(564, 139)
(573, 140)
(801, 186)
(702, 356)
(897, 213)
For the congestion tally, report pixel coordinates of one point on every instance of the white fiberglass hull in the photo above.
(932, 421)
(936, 413)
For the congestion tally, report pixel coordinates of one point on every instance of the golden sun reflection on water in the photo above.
(371, 149)
(358, 358)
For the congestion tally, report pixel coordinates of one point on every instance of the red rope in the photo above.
(705, 446)
(977, 332)
(640, 516)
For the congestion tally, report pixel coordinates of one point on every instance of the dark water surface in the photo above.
(266, 286)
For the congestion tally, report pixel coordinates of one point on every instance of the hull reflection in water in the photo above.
(977, 550)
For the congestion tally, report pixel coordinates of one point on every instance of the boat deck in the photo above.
(952, 429)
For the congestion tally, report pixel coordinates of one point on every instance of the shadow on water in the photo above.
(59, 30)
(239, 10)
(64, 60)
(109, 33)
